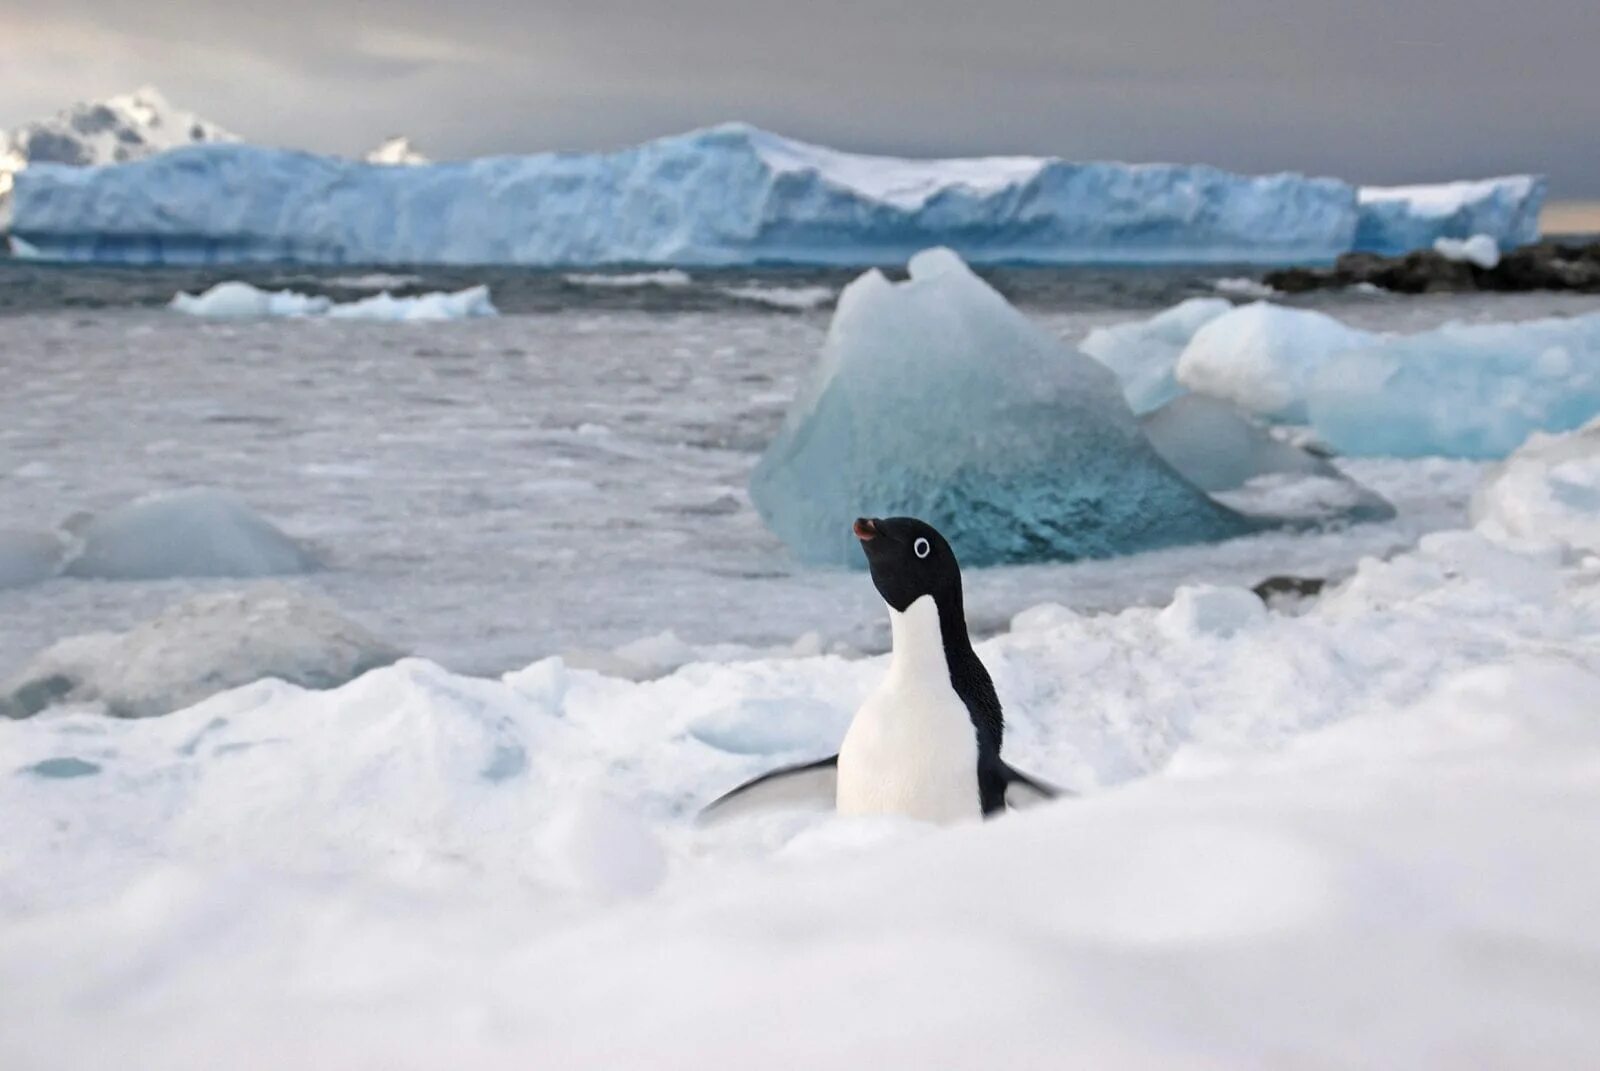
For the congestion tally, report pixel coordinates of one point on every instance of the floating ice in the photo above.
(1480, 249)
(1221, 450)
(1142, 353)
(1549, 489)
(796, 298)
(1460, 390)
(1396, 219)
(1261, 357)
(241, 301)
(238, 301)
(197, 648)
(195, 532)
(29, 557)
(671, 279)
(729, 194)
(936, 398)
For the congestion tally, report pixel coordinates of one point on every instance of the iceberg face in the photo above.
(1142, 353)
(241, 301)
(936, 398)
(1221, 450)
(198, 532)
(1397, 219)
(725, 195)
(201, 646)
(1473, 391)
(1549, 489)
(1261, 357)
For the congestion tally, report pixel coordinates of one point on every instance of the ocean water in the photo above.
(566, 478)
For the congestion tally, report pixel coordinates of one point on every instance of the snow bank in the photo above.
(1549, 489)
(1367, 829)
(29, 557)
(1219, 449)
(1143, 352)
(1480, 249)
(1460, 390)
(729, 194)
(197, 648)
(237, 300)
(1396, 219)
(937, 399)
(1262, 357)
(196, 532)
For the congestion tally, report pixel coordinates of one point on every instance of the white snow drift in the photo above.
(1359, 836)
(235, 300)
(1549, 489)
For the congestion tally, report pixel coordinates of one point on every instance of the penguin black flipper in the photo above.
(810, 784)
(1024, 791)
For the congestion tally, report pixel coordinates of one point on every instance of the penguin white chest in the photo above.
(911, 749)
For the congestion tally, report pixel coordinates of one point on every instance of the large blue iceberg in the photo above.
(1397, 219)
(936, 398)
(730, 194)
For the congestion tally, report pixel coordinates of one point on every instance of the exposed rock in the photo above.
(1548, 265)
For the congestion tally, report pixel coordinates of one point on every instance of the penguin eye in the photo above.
(921, 547)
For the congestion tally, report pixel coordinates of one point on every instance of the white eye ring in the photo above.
(921, 547)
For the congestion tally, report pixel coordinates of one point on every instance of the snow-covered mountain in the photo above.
(396, 151)
(121, 129)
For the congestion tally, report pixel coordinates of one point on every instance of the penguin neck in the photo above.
(928, 636)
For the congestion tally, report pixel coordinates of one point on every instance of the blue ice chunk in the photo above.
(1473, 391)
(1143, 353)
(194, 532)
(936, 398)
(729, 194)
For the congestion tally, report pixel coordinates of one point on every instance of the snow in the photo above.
(1143, 352)
(29, 557)
(130, 126)
(1460, 390)
(1396, 219)
(1480, 249)
(1262, 357)
(935, 398)
(1223, 451)
(396, 152)
(197, 648)
(238, 301)
(1361, 835)
(194, 532)
(1244, 287)
(1548, 489)
(730, 194)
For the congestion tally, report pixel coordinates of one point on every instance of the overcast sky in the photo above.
(1372, 90)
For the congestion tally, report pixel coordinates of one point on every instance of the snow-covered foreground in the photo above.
(1362, 835)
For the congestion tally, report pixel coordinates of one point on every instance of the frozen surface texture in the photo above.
(1223, 451)
(197, 648)
(27, 557)
(729, 194)
(1262, 356)
(1396, 219)
(935, 398)
(1549, 489)
(1143, 352)
(1360, 836)
(1480, 249)
(235, 300)
(195, 532)
(1460, 390)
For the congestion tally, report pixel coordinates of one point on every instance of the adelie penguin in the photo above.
(926, 743)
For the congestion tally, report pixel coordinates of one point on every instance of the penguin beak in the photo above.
(866, 529)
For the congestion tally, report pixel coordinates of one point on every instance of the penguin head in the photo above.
(908, 559)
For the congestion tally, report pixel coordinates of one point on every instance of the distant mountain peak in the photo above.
(396, 152)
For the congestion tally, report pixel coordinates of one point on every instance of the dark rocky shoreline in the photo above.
(1548, 265)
